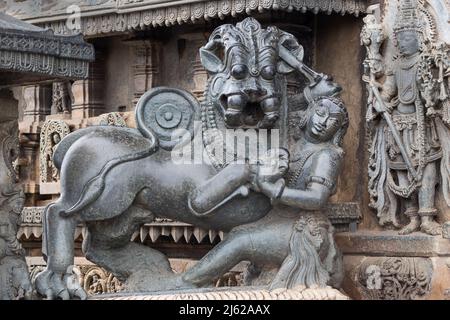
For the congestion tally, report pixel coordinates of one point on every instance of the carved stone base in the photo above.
(241, 293)
(387, 266)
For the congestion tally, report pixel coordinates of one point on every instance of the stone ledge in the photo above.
(389, 243)
(148, 14)
(344, 217)
(241, 293)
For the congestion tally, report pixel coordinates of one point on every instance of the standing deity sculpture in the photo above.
(409, 130)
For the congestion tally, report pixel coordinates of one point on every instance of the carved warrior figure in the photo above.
(14, 278)
(52, 132)
(293, 236)
(116, 179)
(409, 150)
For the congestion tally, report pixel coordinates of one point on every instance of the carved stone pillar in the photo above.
(199, 74)
(145, 67)
(88, 94)
(14, 278)
(38, 100)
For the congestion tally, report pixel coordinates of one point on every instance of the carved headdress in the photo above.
(408, 17)
(249, 44)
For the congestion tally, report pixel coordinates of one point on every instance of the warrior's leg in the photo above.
(427, 209)
(108, 245)
(213, 192)
(58, 248)
(235, 106)
(410, 206)
(222, 258)
(262, 242)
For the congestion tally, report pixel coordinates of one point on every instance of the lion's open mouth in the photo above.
(249, 116)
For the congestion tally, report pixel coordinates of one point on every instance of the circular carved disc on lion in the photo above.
(169, 114)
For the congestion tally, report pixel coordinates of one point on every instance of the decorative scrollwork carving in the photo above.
(395, 278)
(112, 119)
(96, 280)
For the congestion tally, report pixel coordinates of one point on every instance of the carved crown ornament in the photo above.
(108, 16)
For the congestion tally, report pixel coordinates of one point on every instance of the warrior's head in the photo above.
(326, 120)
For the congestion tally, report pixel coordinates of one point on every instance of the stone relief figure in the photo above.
(61, 97)
(115, 179)
(52, 132)
(409, 149)
(14, 279)
(112, 119)
(394, 278)
(294, 234)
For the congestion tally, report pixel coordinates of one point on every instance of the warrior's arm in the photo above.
(314, 197)
(320, 185)
(216, 190)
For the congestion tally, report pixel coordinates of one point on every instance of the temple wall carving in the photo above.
(125, 69)
(140, 46)
(117, 16)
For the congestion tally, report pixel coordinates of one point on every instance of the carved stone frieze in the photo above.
(137, 15)
(395, 278)
(94, 280)
(112, 119)
(26, 48)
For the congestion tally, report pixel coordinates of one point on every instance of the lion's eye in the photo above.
(268, 72)
(239, 71)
